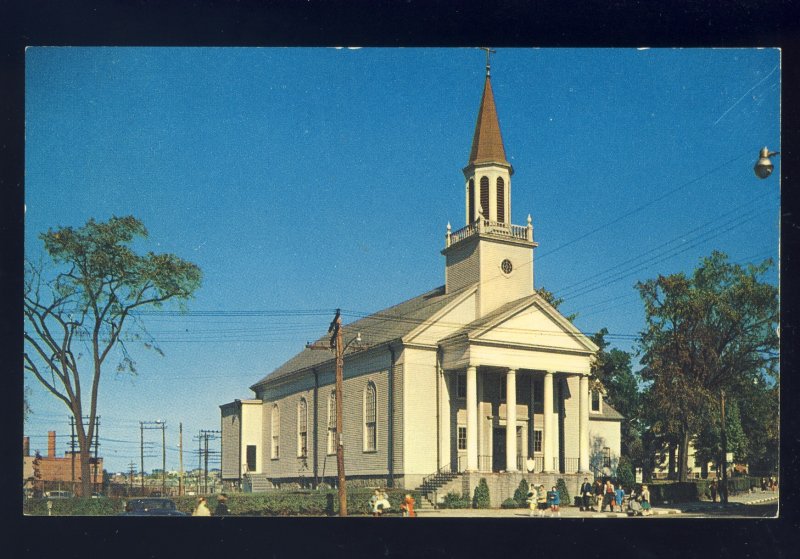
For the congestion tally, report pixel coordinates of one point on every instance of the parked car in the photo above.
(152, 506)
(58, 494)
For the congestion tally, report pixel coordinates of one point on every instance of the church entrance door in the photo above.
(498, 449)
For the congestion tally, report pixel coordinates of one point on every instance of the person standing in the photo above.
(586, 494)
(554, 500)
(531, 500)
(598, 494)
(608, 496)
(619, 497)
(202, 508)
(222, 506)
(541, 499)
(713, 488)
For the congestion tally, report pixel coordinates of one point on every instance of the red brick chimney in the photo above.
(51, 444)
(26, 446)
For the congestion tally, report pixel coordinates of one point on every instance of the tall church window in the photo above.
(276, 432)
(501, 200)
(485, 196)
(596, 400)
(302, 428)
(471, 200)
(332, 423)
(461, 385)
(537, 440)
(370, 427)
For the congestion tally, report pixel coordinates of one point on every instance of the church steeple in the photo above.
(487, 142)
(488, 172)
(489, 252)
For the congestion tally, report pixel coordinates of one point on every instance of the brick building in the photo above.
(54, 472)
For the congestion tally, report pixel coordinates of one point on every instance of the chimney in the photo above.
(26, 446)
(51, 444)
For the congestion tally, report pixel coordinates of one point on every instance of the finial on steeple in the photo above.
(488, 63)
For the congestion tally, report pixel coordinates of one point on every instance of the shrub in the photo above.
(455, 501)
(509, 504)
(563, 492)
(625, 477)
(480, 500)
(521, 494)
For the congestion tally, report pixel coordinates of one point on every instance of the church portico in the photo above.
(500, 425)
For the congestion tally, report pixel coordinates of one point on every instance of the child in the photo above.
(407, 506)
(531, 500)
(619, 496)
(541, 499)
(555, 500)
(645, 496)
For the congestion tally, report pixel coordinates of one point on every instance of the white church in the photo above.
(478, 378)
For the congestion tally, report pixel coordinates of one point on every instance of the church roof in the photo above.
(608, 414)
(376, 329)
(487, 143)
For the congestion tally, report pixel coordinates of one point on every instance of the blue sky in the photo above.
(301, 180)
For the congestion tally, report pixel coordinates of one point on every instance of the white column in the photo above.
(547, 415)
(472, 418)
(583, 426)
(511, 420)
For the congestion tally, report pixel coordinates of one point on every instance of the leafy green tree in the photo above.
(706, 334)
(77, 308)
(554, 301)
(625, 476)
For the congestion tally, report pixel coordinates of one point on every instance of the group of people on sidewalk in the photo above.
(596, 497)
(379, 503)
(540, 501)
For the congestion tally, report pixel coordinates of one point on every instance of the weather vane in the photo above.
(488, 52)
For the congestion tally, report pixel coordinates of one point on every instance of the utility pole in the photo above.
(141, 450)
(159, 424)
(130, 477)
(72, 449)
(204, 452)
(96, 444)
(335, 329)
(724, 492)
(180, 453)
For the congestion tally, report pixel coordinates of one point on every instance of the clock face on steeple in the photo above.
(506, 266)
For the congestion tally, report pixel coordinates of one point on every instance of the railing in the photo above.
(495, 228)
(571, 465)
(484, 463)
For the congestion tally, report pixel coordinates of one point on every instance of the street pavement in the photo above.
(745, 505)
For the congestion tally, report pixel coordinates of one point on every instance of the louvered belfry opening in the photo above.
(501, 200)
(471, 201)
(485, 196)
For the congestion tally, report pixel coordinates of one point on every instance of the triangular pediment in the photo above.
(532, 322)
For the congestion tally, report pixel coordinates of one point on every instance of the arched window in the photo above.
(276, 432)
(485, 196)
(471, 200)
(501, 200)
(332, 423)
(302, 428)
(370, 425)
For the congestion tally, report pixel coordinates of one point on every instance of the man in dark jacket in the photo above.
(222, 505)
(586, 494)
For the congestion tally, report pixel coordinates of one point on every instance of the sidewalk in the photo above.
(734, 501)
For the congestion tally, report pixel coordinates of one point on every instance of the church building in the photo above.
(477, 378)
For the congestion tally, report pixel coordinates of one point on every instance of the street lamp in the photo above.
(763, 167)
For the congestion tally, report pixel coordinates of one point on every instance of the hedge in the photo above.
(273, 503)
(455, 501)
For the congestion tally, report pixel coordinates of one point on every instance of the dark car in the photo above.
(150, 506)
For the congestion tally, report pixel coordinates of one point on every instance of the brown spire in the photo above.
(487, 144)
